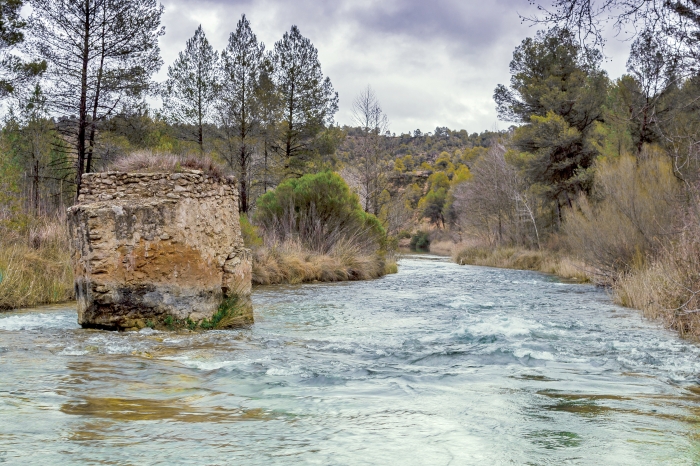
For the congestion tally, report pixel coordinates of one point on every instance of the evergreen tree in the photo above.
(308, 99)
(240, 109)
(14, 70)
(558, 90)
(192, 86)
(101, 54)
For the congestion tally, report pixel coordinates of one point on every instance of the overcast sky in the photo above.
(431, 63)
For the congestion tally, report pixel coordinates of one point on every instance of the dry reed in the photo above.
(667, 289)
(290, 262)
(146, 161)
(34, 265)
(523, 259)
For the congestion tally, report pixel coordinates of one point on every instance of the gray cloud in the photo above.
(431, 63)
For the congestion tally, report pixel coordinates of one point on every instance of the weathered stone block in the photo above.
(154, 258)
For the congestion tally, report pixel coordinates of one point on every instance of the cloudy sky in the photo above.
(431, 63)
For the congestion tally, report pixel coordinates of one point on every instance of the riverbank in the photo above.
(35, 265)
(291, 263)
(523, 259)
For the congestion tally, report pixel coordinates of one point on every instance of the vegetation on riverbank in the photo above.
(523, 259)
(314, 229)
(34, 264)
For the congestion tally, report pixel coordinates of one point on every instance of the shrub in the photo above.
(318, 210)
(636, 203)
(420, 242)
(250, 233)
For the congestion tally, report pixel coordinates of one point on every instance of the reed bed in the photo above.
(523, 259)
(35, 265)
(289, 262)
(668, 287)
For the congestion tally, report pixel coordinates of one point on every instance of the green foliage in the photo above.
(558, 90)
(420, 242)
(431, 206)
(315, 208)
(227, 309)
(251, 236)
(438, 180)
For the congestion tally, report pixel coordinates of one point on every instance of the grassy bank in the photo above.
(523, 259)
(34, 265)
(291, 263)
(667, 288)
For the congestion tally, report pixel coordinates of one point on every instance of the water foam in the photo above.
(19, 322)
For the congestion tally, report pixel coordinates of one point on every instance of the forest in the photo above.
(595, 179)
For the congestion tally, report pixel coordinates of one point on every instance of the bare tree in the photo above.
(370, 158)
(494, 204)
(678, 20)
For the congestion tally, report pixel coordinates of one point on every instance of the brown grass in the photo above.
(523, 259)
(443, 248)
(290, 262)
(35, 265)
(667, 289)
(146, 161)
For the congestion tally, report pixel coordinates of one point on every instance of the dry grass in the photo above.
(146, 161)
(522, 259)
(290, 262)
(35, 265)
(443, 248)
(668, 289)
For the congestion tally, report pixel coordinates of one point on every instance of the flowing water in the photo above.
(438, 364)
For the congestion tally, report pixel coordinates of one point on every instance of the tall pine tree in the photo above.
(101, 55)
(308, 99)
(239, 108)
(191, 89)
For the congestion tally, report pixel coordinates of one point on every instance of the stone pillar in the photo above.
(162, 250)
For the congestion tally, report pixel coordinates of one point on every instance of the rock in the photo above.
(153, 258)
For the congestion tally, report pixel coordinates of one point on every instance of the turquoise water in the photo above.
(438, 364)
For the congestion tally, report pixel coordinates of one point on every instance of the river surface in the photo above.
(439, 364)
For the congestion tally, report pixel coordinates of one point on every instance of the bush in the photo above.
(420, 242)
(318, 210)
(250, 233)
(635, 204)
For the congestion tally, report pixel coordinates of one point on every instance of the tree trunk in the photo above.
(82, 117)
(98, 88)
(243, 182)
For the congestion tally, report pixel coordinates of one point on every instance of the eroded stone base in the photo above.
(167, 253)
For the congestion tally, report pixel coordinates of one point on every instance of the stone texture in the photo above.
(146, 246)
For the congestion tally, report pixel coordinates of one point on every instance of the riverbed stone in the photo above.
(145, 256)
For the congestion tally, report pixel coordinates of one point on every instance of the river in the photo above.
(439, 364)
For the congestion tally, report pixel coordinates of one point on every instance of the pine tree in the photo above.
(100, 55)
(239, 108)
(308, 99)
(192, 87)
(13, 70)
